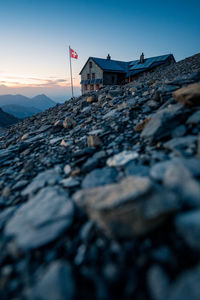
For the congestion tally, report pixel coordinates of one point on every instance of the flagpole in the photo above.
(70, 59)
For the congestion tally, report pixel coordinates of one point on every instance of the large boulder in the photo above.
(189, 95)
(130, 208)
(163, 122)
(42, 219)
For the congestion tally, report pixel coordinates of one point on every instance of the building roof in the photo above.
(111, 65)
(131, 67)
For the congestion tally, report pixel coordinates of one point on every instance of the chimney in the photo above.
(108, 57)
(142, 58)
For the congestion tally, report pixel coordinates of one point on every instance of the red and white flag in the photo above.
(73, 54)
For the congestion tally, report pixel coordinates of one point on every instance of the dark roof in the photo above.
(110, 64)
(130, 68)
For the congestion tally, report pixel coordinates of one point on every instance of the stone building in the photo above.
(98, 72)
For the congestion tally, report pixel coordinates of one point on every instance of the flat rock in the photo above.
(95, 132)
(55, 140)
(130, 208)
(181, 142)
(70, 182)
(42, 219)
(121, 158)
(49, 177)
(111, 114)
(99, 177)
(158, 170)
(90, 164)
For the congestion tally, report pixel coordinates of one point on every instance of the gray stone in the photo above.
(134, 169)
(49, 177)
(100, 154)
(95, 132)
(130, 208)
(186, 287)
(43, 128)
(131, 102)
(194, 118)
(162, 122)
(167, 88)
(111, 114)
(121, 158)
(55, 140)
(99, 177)
(90, 164)
(20, 185)
(158, 170)
(57, 283)
(179, 131)
(5, 215)
(179, 179)
(188, 226)
(181, 142)
(158, 282)
(42, 219)
(70, 182)
(35, 138)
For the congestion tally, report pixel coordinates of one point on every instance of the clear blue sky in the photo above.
(35, 36)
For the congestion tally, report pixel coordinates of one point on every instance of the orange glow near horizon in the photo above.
(12, 81)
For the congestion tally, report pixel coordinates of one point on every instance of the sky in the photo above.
(35, 38)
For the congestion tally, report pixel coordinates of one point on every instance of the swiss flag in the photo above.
(73, 54)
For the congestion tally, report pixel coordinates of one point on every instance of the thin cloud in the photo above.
(33, 81)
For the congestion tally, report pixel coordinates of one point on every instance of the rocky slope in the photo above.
(6, 119)
(100, 196)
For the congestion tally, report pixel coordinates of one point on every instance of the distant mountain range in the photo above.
(22, 107)
(19, 111)
(6, 119)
